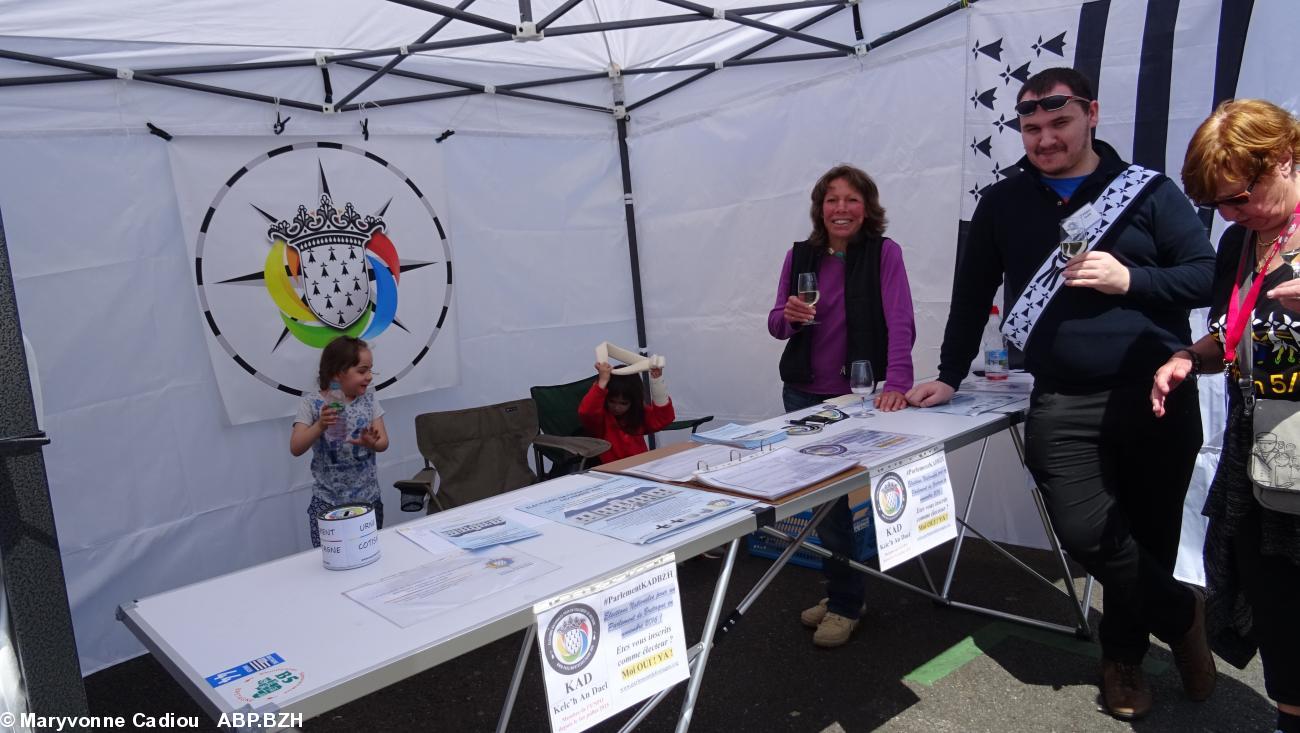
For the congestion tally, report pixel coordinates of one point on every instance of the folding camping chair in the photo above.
(557, 415)
(479, 452)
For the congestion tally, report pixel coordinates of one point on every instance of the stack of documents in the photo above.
(740, 436)
(634, 510)
(682, 466)
(774, 473)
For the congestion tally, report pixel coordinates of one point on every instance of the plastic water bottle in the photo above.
(337, 432)
(995, 349)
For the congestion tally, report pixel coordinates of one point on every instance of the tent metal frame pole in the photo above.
(555, 14)
(525, 11)
(469, 86)
(782, 7)
(35, 589)
(556, 80)
(396, 101)
(742, 20)
(393, 62)
(629, 214)
(878, 42)
(446, 12)
(107, 73)
(407, 74)
(943, 12)
(743, 54)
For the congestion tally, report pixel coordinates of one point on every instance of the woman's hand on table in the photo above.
(890, 401)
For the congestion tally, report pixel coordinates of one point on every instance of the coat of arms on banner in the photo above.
(322, 244)
(307, 242)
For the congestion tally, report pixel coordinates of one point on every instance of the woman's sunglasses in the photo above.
(1049, 104)
(1237, 199)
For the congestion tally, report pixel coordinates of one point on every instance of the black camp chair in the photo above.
(479, 452)
(557, 415)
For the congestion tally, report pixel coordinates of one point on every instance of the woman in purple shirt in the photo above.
(864, 312)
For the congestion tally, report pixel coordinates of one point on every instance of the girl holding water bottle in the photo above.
(343, 424)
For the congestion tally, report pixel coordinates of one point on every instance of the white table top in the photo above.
(294, 607)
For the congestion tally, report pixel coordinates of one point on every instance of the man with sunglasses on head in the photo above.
(1102, 262)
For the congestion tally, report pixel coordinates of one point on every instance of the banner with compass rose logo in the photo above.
(297, 242)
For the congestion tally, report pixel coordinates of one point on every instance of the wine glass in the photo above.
(862, 381)
(808, 292)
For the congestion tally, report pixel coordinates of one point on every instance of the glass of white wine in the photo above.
(862, 382)
(808, 292)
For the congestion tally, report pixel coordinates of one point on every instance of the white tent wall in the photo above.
(730, 216)
(153, 490)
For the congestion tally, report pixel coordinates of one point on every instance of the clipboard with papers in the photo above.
(774, 473)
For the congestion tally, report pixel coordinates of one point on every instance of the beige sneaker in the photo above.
(834, 630)
(812, 617)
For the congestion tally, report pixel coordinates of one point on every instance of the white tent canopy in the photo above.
(151, 484)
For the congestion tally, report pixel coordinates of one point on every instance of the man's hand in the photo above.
(798, 312)
(1099, 271)
(930, 394)
(890, 401)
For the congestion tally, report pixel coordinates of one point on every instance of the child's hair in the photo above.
(629, 387)
(337, 357)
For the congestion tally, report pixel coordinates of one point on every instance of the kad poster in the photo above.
(609, 645)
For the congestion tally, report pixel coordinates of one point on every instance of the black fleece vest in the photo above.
(868, 335)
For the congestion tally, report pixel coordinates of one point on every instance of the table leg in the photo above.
(530, 635)
(706, 639)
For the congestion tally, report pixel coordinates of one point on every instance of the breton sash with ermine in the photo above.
(1087, 226)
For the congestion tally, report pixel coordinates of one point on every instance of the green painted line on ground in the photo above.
(958, 655)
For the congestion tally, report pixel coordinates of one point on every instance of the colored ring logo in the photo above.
(572, 638)
(326, 264)
(828, 449)
(890, 498)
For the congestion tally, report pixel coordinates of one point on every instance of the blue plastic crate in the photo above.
(864, 538)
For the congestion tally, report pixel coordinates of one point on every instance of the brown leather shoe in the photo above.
(1124, 690)
(1193, 657)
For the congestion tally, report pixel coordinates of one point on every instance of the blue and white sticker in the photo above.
(245, 669)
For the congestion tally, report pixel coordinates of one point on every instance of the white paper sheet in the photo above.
(451, 580)
(774, 473)
(865, 446)
(468, 533)
(976, 403)
(635, 510)
(682, 466)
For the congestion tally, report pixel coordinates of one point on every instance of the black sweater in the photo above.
(1085, 340)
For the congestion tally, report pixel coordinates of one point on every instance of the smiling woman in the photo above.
(863, 308)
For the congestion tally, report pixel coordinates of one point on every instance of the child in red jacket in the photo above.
(615, 410)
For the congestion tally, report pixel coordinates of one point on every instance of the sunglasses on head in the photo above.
(1237, 199)
(1049, 104)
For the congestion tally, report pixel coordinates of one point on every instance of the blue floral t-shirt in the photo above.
(344, 472)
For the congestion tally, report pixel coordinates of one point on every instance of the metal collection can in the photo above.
(349, 536)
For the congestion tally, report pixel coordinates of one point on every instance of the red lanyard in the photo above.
(1240, 313)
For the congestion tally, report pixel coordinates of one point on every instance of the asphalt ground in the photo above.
(911, 666)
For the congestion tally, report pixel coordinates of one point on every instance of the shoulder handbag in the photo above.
(1274, 465)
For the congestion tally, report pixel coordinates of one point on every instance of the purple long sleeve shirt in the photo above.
(829, 339)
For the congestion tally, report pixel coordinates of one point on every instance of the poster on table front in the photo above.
(611, 644)
(913, 501)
